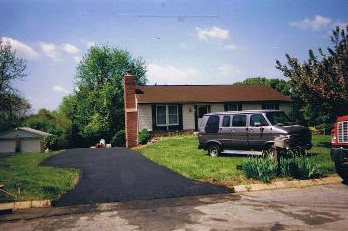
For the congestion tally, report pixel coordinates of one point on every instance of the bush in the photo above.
(263, 169)
(144, 136)
(299, 167)
(119, 139)
(54, 143)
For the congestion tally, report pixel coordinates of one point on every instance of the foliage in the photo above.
(320, 84)
(259, 168)
(299, 167)
(54, 142)
(13, 106)
(98, 110)
(144, 136)
(45, 121)
(119, 140)
(36, 182)
(277, 84)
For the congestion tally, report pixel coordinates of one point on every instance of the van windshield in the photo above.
(279, 118)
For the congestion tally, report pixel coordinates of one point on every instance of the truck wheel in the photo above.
(214, 150)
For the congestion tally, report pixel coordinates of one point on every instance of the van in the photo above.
(252, 130)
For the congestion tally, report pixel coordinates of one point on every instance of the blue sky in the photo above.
(181, 41)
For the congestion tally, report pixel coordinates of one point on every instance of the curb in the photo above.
(25, 205)
(287, 184)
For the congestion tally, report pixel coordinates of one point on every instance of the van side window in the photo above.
(226, 121)
(239, 121)
(258, 118)
(212, 125)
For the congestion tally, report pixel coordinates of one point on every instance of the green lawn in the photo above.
(181, 155)
(35, 182)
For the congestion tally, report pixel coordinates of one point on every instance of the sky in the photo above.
(181, 41)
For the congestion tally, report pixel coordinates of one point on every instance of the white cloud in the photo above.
(69, 48)
(77, 59)
(60, 89)
(21, 48)
(89, 44)
(229, 70)
(171, 75)
(315, 24)
(231, 46)
(212, 32)
(50, 50)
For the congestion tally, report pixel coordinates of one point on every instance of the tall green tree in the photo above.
(99, 110)
(13, 107)
(320, 84)
(277, 84)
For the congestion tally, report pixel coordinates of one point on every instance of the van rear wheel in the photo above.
(214, 150)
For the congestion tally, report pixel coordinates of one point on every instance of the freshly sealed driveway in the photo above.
(120, 174)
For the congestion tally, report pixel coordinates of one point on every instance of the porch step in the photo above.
(242, 152)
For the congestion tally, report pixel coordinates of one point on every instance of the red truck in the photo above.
(339, 149)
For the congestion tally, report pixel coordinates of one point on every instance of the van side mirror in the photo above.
(257, 124)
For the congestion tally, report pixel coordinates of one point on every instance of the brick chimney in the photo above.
(130, 109)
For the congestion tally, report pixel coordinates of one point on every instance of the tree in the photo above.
(13, 106)
(320, 84)
(99, 110)
(277, 84)
(45, 121)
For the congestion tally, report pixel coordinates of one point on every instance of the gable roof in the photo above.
(207, 93)
(35, 132)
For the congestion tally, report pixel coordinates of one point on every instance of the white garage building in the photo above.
(22, 140)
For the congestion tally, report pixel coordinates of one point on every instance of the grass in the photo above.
(181, 155)
(35, 182)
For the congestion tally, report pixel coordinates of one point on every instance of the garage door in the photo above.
(7, 146)
(31, 145)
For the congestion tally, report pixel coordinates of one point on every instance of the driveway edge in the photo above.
(287, 184)
(25, 204)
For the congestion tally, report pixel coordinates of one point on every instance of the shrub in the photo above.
(299, 167)
(53, 142)
(119, 139)
(144, 136)
(263, 169)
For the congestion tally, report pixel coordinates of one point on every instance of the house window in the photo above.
(167, 115)
(273, 106)
(233, 107)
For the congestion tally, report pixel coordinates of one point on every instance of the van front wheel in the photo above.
(214, 150)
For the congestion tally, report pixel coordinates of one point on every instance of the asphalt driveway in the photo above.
(120, 174)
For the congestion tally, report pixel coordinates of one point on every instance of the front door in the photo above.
(200, 111)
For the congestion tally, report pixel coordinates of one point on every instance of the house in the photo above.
(180, 107)
(22, 139)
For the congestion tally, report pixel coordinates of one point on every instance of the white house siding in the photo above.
(144, 117)
(217, 107)
(30, 145)
(252, 106)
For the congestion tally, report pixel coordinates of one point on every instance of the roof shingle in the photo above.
(207, 93)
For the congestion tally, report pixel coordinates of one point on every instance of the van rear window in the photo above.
(212, 125)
